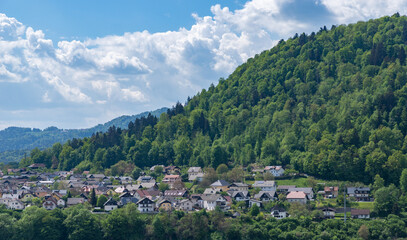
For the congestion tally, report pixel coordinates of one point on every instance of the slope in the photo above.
(17, 141)
(332, 104)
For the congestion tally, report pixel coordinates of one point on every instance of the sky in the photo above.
(75, 64)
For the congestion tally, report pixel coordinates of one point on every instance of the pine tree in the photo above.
(93, 199)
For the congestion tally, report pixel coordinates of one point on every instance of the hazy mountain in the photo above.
(16, 141)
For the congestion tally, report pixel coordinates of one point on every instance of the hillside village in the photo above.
(176, 190)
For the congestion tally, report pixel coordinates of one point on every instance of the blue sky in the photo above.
(78, 19)
(75, 64)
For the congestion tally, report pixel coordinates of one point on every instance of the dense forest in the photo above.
(332, 104)
(78, 223)
(15, 142)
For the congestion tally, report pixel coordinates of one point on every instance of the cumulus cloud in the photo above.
(354, 10)
(110, 74)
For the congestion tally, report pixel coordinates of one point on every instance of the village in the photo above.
(20, 188)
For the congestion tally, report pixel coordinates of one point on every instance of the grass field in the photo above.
(364, 205)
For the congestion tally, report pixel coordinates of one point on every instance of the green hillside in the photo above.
(332, 104)
(17, 141)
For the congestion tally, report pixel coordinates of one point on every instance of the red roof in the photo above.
(296, 195)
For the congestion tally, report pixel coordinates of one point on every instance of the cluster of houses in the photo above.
(56, 189)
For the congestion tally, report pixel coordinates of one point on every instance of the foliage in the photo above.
(332, 104)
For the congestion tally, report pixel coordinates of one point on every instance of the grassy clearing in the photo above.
(188, 185)
(365, 205)
(299, 182)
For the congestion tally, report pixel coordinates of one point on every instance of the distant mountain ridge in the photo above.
(17, 141)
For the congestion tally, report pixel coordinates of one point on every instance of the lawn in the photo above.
(188, 185)
(364, 205)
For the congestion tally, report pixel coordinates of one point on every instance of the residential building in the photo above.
(145, 205)
(306, 190)
(241, 196)
(265, 185)
(185, 205)
(238, 186)
(195, 173)
(210, 202)
(278, 212)
(359, 193)
(110, 205)
(221, 185)
(360, 213)
(165, 205)
(266, 196)
(297, 196)
(276, 171)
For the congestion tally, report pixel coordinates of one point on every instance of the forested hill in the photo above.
(332, 104)
(16, 141)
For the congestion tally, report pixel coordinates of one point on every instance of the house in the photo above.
(174, 170)
(297, 196)
(276, 171)
(195, 173)
(328, 212)
(265, 185)
(330, 192)
(165, 205)
(360, 213)
(253, 202)
(97, 177)
(306, 190)
(13, 204)
(185, 205)
(61, 203)
(209, 191)
(266, 196)
(110, 205)
(284, 188)
(50, 203)
(278, 212)
(145, 205)
(239, 187)
(171, 179)
(37, 166)
(221, 185)
(241, 196)
(75, 201)
(210, 202)
(146, 179)
(151, 194)
(173, 194)
(126, 198)
(359, 193)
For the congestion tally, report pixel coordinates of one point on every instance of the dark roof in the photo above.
(110, 202)
(220, 183)
(353, 189)
(355, 212)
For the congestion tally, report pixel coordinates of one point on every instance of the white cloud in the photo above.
(355, 10)
(46, 98)
(109, 74)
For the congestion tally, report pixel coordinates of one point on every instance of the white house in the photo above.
(210, 202)
(265, 185)
(185, 205)
(299, 197)
(50, 203)
(276, 171)
(145, 205)
(278, 212)
(195, 173)
(110, 205)
(13, 204)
